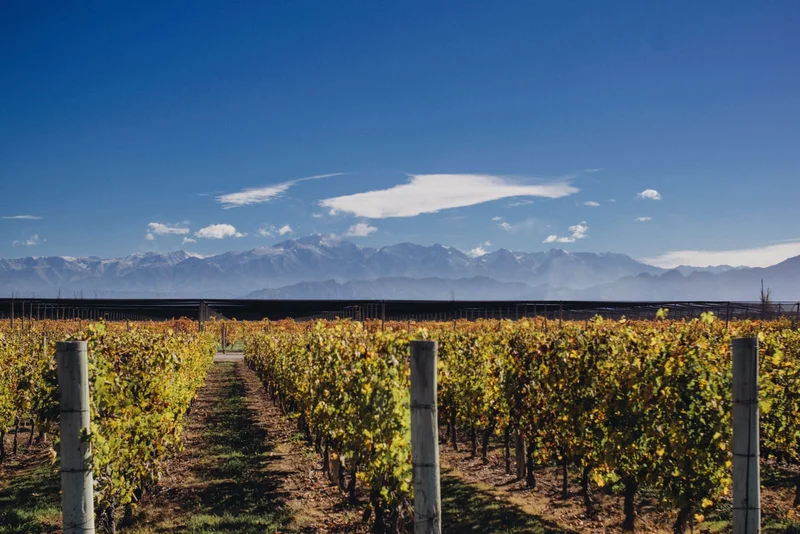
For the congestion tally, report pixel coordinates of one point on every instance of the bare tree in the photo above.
(766, 299)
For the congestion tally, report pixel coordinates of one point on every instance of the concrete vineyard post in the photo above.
(425, 438)
(746, 474)
(77, 498)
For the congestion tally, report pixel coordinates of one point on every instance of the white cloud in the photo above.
(188, 240)
(258, 195)
(166, 229)
(577, 231)
(528, 224)
(430, 193)
(218, 231)
(477, 252)
(498, 218)
(317, 215)
(749, 257)
(21, 217)
(268, 230)
(592, 170)
(32, 241)
(487, 244)
(591, 203)
(360, 230)
(650, 194)
(643, 219)
(518, 203)
(149, 236)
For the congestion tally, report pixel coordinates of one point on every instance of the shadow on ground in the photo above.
(231, 489)
(29, 498)
(466, 508)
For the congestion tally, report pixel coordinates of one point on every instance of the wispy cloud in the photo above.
(317, 215)
(518, 203)
(218, 231)
(430, 193)
(577, 231)
(285, 229)
(32, 241)
(643, 219)
(497, 218)
(360, 230)
(592, 170)
(258, 195)
(188, 240)
(166, 229)
(591, 203)
(528, 224)
(650, 194)
(751, 257)
(21, 217)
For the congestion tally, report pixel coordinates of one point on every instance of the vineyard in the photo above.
(643, 404)
(638, 408)
(142, 381)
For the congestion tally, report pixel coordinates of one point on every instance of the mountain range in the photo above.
(322, 266)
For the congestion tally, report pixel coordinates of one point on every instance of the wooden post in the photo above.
(728, 315)
(224, 340)
(77, 498)
(519, 449)
(746, 475)
(425, 439)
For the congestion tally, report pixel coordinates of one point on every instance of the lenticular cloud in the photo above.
(429, 193)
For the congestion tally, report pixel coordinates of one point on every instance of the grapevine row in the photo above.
(634, 404)
(142, 380)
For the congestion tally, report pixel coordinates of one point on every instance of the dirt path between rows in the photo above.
(244, 468)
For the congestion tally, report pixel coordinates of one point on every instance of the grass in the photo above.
(231, 489)
(236, 346)
(29, 495)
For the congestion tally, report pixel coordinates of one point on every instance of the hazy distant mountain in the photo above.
(686, 270)
(325, 266)
(309, 259)
(403, 288)
(742, 283)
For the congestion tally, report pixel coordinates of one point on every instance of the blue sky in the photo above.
(132, 126)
